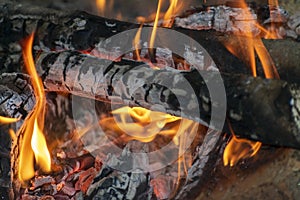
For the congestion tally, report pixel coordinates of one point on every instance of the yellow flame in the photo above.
(238, 149)
(136, 43)
(12, 135)
(38, 144)
(171, 12)
(153, 34)
(241, 148)
(105, 8)
(34, 143)
(8, 120)
(143, 124)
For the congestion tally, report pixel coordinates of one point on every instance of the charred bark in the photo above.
(252, 103)
(82, 31)
(16, 100)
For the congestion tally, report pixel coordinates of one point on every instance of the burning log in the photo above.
(83, 32)
(127, 82)
(164, 90)
(17, 98)
(16, 101)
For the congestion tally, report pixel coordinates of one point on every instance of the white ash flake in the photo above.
(79, 24)
(232, 20)
(220, 18)
(295, 107)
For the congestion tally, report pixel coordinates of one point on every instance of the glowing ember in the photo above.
(241, 148)
(147, 126)
(34, 143)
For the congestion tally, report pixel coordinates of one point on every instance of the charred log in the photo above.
(82, 31)
(17, 100)
(136, 84)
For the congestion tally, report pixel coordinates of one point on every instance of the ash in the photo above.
(233, 20)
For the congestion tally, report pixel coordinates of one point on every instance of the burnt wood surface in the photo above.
(253, 104)
(17, 101)
(57, 30)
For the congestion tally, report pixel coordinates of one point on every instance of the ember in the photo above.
(93, 121)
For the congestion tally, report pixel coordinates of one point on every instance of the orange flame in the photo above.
(136, 43)
(105, 8)
(8, 120)
(171, 12)
(240, 148)
(34, 143)
(144, 125)
(101, 6)
(153, 34)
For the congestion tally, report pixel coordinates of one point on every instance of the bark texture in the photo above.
(17, 100)
(81, 31)
(181, 94)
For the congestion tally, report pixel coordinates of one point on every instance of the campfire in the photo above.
(187, 102)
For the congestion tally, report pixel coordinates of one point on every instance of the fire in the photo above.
(105, 8)
(238, 149)
(34, 143)
(173, 9)
(136, 43)
(142, 124)
(8, 120)
(101, 6)
(253, 45)
(153, 34)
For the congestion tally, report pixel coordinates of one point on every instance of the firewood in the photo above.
(16, 100)
(252, 103)
(56, 30)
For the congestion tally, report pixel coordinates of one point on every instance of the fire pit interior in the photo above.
(149, 99)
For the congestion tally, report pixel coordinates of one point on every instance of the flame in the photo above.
(238, 149)
(153, 34)
(136, 43)
(105, 8)
(142, 124)
(173, 9)
(101, 6)
(247, 47)
(8, 120)
(34, 143)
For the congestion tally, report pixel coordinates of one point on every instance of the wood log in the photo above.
(82, 31)
(107, 180)
(16, 100)
(252, 103)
